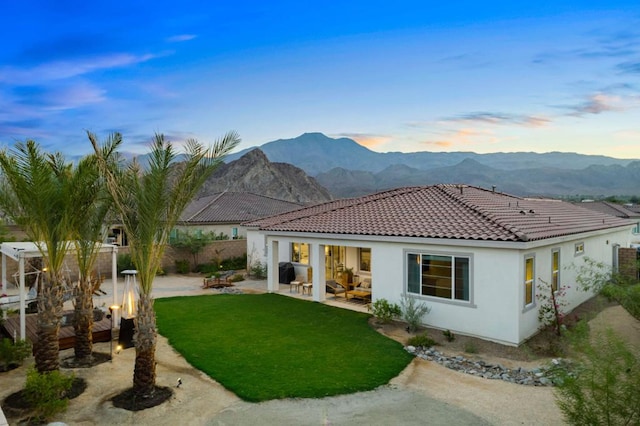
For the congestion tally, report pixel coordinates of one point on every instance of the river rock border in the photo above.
(520, 376)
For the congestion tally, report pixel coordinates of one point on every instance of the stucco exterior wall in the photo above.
(496, 310)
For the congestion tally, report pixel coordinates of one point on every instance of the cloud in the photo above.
(629, 67)
(498, 118)
(58, 70)
(59, 97)
(464, 138)
(596, 104)
(367, 140)
(181, 37)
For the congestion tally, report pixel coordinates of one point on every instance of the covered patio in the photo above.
(22, 251)
(343, 270)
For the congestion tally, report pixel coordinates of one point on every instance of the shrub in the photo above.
(421, 340)
(236, 278)
(470, 348)
(235, 263)
(12, 354)
(412, 312)
(46, 392)
(259, 270)
(603, 388)
(182, 266)
(125, 262)
(385, 311)
(552, 305)
(449, 335)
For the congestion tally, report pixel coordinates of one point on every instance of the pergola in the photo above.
(19, 251)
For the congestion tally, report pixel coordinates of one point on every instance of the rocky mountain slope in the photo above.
(348, 169)
(253, 172)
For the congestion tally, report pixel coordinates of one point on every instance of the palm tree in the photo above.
(35, 194)
(150, 201)
(92, 204)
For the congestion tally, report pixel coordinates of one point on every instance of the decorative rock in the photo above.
(521, 376)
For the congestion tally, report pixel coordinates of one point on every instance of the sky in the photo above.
(393, 75)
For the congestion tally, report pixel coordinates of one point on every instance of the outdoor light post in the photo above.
(113, 311)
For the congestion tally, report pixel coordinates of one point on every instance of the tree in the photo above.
(599, 277)
(35, 194)
(92, 205)
(149, 202)
(193, 243)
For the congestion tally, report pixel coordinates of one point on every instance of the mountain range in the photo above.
(253, 172)
(347, 169)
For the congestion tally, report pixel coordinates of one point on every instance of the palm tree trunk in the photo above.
(47, 348)
(144, 375)
(83, 321)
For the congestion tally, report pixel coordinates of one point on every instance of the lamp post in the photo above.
(113, 311)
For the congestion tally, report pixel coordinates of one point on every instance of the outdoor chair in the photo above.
(297, 283)
(334, 288)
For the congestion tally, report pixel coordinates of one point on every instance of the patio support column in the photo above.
(273, 279)
(114, 273)
(23, 319)
(316, 255)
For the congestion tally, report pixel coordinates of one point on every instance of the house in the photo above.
(474, 256)
(224, 212)
(624, 211)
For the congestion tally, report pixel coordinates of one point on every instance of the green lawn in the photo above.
(268, 346)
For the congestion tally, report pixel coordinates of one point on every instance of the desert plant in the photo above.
(470, 348)
(421, 340)
(412, 312)
(46, 393)
(385, 311)
(449, 335)
(12, 354)
(599, 277)
(192, 242)
(552, 304)
(259, 270)
(236, 278)
(602, 389)
(125, 262)
(182, 266)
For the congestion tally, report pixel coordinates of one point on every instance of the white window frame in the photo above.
(578, 249)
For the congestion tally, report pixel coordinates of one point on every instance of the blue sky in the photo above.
(394, 76)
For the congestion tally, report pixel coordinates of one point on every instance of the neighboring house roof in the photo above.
(233, 207)
(610, 208)
(443, 211)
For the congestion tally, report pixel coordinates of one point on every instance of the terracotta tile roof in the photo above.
(443, 211)
(610, 208)
(233, 207)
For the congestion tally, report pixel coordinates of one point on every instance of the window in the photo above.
(365, 259)
(555, 269)
(529, 274)
(442, 276)
(579, 249)
(636, 229)
(300, 253)
(234, 233)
